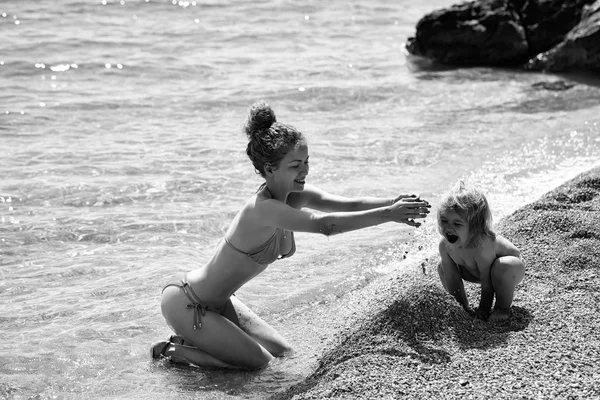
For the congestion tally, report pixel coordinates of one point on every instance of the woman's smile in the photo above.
(294, 168)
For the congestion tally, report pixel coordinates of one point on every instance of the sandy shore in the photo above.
(409, 339)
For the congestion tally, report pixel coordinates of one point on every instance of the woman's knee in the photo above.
(280, 349)
(256, 360)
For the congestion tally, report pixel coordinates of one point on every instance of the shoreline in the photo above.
(410, 339)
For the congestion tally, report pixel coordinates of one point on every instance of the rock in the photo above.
(553, 35)
(548, 21)
(554, 86)
(580, 49)
(477, 32)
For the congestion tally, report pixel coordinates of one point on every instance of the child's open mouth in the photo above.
(451, 237)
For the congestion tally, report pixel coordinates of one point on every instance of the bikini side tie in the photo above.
(199, 310)
(196, 304)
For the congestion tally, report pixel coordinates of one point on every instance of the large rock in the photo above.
(548, 21)
(511, 32)
(477, 32)
(580, 49)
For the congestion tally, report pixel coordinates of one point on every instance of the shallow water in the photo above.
(123, 164)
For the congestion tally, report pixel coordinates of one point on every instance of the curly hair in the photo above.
(268, 140)
(471, 204)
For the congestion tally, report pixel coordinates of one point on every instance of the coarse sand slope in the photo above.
(409, 339)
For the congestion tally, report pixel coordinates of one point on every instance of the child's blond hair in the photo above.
(472, 206)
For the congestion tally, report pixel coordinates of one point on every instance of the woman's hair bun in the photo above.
(260, 117)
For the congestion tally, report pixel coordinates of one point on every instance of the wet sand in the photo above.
(406, 338)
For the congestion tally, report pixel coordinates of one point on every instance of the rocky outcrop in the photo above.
(540, 34)
(478, 32)
(579, 50)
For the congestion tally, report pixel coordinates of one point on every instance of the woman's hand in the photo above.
(407, 209)
(404, 196)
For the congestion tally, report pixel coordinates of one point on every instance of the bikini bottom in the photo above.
(198, 305)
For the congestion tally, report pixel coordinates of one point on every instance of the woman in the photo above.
(214, 328)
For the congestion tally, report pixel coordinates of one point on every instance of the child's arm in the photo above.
(452, 279)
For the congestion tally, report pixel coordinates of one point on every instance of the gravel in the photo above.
(409, 339)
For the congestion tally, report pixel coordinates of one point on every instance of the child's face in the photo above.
(453, 227)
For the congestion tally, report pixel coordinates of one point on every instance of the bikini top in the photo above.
(268, 252)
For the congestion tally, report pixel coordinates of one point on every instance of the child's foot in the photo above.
(158, 350)
(482, 315)
(500, 314)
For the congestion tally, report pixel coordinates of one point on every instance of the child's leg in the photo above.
(506, 273)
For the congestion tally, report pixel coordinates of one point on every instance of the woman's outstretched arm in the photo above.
(318, 199)
(277, 214)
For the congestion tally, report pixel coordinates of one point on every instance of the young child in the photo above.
(471, 251)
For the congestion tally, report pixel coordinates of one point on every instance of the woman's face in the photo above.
(453, 227)
(293, 169)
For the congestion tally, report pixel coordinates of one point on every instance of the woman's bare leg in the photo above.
(256, 327)
(192, 355)
(219, 341)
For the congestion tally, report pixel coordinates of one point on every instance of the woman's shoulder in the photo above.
(251, 207)
(250, 218)
(301, 199)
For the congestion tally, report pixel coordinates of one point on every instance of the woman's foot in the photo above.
(176, 339)
(158, 349)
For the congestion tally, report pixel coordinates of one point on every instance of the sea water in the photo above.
(122, 163)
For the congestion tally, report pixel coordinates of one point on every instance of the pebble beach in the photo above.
(406, 338)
